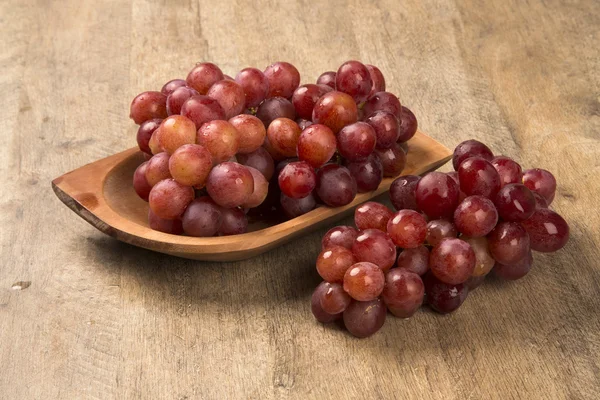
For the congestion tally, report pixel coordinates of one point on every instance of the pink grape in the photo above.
(356, 141)
(202, 109)
(484, 261)
(255, 85)
(173, 84)
(354, 78)
(234, 222)
(335, 186)
(383, 101)
(190, 165)
(283, 79)
(176, 131)
(283, 135)
(408, 125)
(316, 145)
(368, 173)
(508, 169)
(261, 189)
(327, 78)
(515, 202)
(478, 176)
(386, 127)
(439, 229)
(203, 76)
(305, 97)
(297, 179)
(169, 198)
(364, 318)
(140, 183)
(145, 132)
(230, 96)
(148, 105)
(334, 299)
(415, 260)
(392, 159)
(220, 138)
(333, 262)
(251, 132)
(259, 159)
(157, 169)
(177, 98)
(315, 305)
(377, 79)
(508, 242)
(202, 218)
(230, 184)
(172, 226)
(336, 110)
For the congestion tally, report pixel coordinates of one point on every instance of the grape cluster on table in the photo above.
(451, 229)
(219, 149)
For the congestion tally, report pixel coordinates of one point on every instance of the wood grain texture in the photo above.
(102, 319)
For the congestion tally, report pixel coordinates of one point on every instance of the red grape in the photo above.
(334, 299)
(316, 145)
(484, 261)
(356, 141)
(439, 229)
(436, 195)
(515, 202)
(475, 216)
(255, 85)
(364, 281)
(336, 110)
(470, 148)
(402, 192)
(234, 222)
(230, 96)
(259, 159)
(541, 181)
(173, 84)
(442, 297)
(386, 127)
(145, 132)
(377, 79)
(508, 242)
(452, 261)
(374, 246)
(176, 99)
(190, 165)
(169, 198)
(203, 76)
(293, 208)
(297, 180)
(339, 236)
(415, 260)
(403, 292)
(283, 79)
(547, 230)
(175, 131)
(478, 177)
(333, 262)
(514, 271)
(261, 189)
(408, 125)
(140, 183)
(407, 229)
(315, 305)
(364, 318)
(148, 105)
(157, 169)
(327, 78)
(383, 101)
(202, 218)
(220, 138)
(392, 159)
(283, 134)
(354, 79)
(202, 109)
(508, 169)
(230, 184)
(372, 215)
(251, 131)
(172, 226)
(367, 173)
(335, 186)
(273, 108)
(305, 98)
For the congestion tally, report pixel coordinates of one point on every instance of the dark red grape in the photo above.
(203, 76)
(436, 195)
(541, 181)
(234, 222)
(470, 148)
(169, 198)
(140, 183)
(145, 132)
(316, 145)
(514, 271)
(176, 99)
(230, 184)
(255, 85)
(402, 192)
(327, 78)
(364, 318)
(478, 177)
(547, 230)
(386, 127)
(230, 96)
(201, 109)
(540, 201)
(335, 186)
(442, 297)
(452, 261)
(283, 79)
(334, 299)
(364, 281)
(508, 169)
(173, 84)
(374, 246)
(439, 229)
(377, 79)
(392, 159)
(383, 101)
(260, 160)
(297, 179)
(407, 229)
(336, 110)
(202, 218)
(415, 260)
(172, 226)
(333, 262)
(403, 292)
(305, 98)
(515, 202)
(148, 105)
(508, 242)
(354, 79)
(315, 305)
(356, 141)
(339, 236)
(475, 216)
(293, 208)
(408, 125)
(372, 215)
(273, 108)
(367, 173)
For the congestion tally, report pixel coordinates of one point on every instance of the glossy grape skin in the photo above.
(368, 173)
(327, 78)
(509, 170)
(515, 202)
(442, 297)
(283, 79)
(508, 242)
(234, 222)
(407, 229)
(383, 101)
(220, 138)
(148, 105)
(354, 78)
(334, 299)
(335, 186)
(333, 262)
(315, 305)
(408, 125)
(316, 145)
(402, 192)
(376, 78)
(514, 271)
(356, 141)
(255, 85)
(415, 260)
(478, 177)
(547, 230)
(273, 108)
(259, 159)
(452, 261)
(203, 76)
(484, 262)
(140, 183)
(202, 109)
(145, 132)
(230, 96)
(374, 246)
(392, 159)
(293, 208)
(283, 135)
(540, 201)
(157, 169)
(261, 189)
(372, 215)
(475, 216)
(339, 236)
(176, 131)
(297, 179)
(470, 148)
(169, 198)
(386, 127)
(176, 99)
(474, 282)
(173, 84)
(541, 181)
(305, 97)
(251, 132)
(436, 195)
(202, 218)
(403, 292)
(336, 110)
(190, 165)
(364, 318)
(230, 184)
(364, 281)
(172, 226)
(439, 229)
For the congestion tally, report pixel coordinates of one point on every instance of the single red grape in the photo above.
(169, 198)
(293, 208)
(475, 216)
(140, 183)
(367, 173)
(402, 192)
(173, 84)
(374, 246)
(439, 229)
(468, 149)
(334, 299)
(316, 145)
(148, 105)
(547, 230)
(452, 261)
(436, 195)
(515, 202)
(315, 305)
(415, 260)
(202, 109)
(261, 189)
(408, 125)
(407, 229)
(354, 78)
(508, 169)
(220, 138)
(273, 108)
(283, 79)
(364, 281)
(364, 318)
(478, 177)
(403, 292)
(297, 179)
(336, 110)
(333, 262)
(377, 78)
(508, 242)
(356, 141)
(327, 78)
(230, 184)
(541, 181)
(190, 165)
(157, 169)
(383, 101)
(392, 159)
(443, 297)
(234, 222)
(484, 261)
(230, 96)
(372, 215)
(386, 127)
(177, 98)
(202, 218)
(335, 186)
(283, 134)
(251, 132)
(259, 159)
(145, 132)
(305, 98)
(255, 85)
(203, 76)
(339, 236)
(176, 131)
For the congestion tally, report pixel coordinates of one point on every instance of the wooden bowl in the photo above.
(102, 194)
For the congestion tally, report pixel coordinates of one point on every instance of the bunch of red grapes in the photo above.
(214, 143)
(452, 229)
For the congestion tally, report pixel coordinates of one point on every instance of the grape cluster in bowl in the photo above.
(220, 149)
(452, 230)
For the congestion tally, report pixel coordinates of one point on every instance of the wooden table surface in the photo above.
(101, 319)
